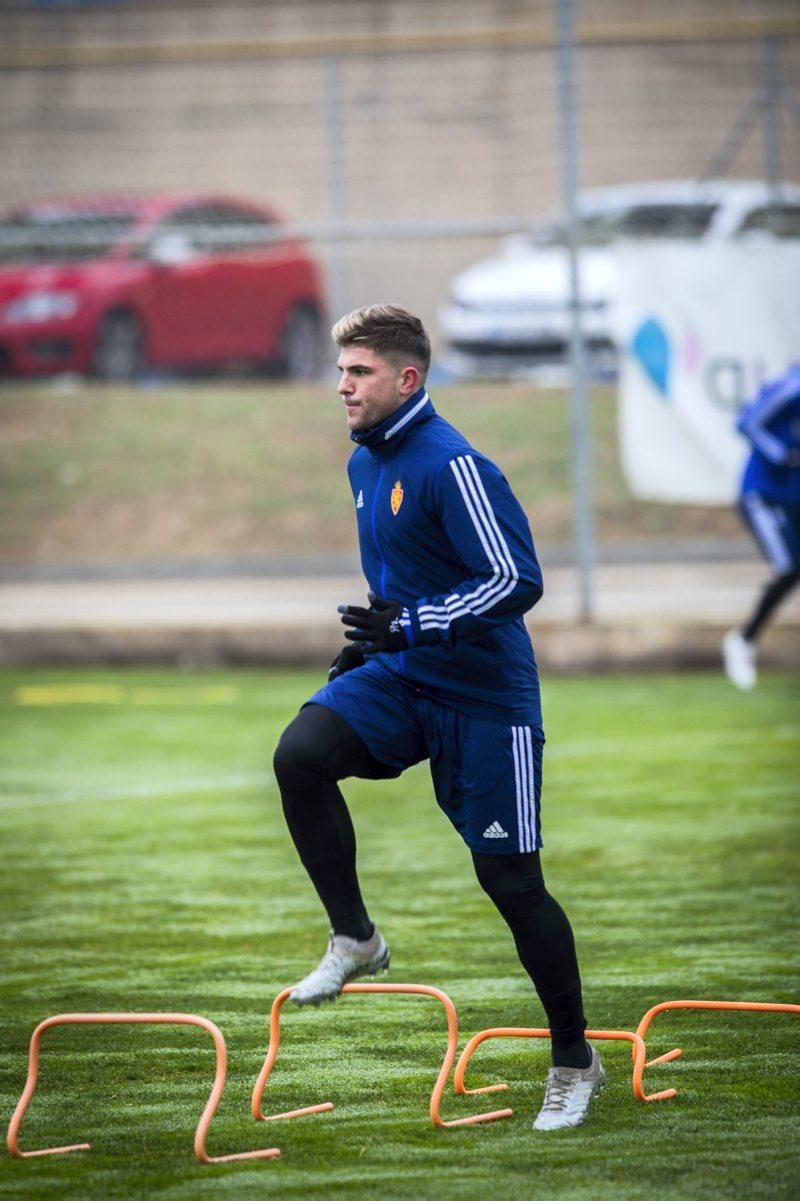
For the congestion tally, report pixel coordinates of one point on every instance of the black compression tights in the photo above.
(317, 750)
(770, 598)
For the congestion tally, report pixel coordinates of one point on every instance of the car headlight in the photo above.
(41, 306)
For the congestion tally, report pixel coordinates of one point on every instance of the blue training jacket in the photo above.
(771, 424)
(441, 532)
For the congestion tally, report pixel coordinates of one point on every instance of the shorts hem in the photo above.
(499, 847)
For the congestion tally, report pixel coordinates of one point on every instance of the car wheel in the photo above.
(119, 348)
(301, 349)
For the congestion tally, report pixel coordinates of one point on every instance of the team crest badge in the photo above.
(397, 498)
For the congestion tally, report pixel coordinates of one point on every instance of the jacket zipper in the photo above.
(374, 526)
(384, 565)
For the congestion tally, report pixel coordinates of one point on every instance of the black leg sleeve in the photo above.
(769, 600)
(317, 749)
(545, 945)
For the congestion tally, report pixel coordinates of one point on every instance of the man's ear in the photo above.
(409, 379)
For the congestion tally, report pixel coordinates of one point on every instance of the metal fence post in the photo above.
(337, 184)
(583, 512)
(772, 102)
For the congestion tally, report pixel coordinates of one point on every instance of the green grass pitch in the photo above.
(146, 867)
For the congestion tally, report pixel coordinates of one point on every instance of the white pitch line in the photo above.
(141, 792)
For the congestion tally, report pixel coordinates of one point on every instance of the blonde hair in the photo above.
(387, 329)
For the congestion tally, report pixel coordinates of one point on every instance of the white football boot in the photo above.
(739, 656)
(568, 1093)
(344, 959)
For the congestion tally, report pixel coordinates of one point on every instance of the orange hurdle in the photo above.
(638, 1052)
(441, 1080)
(183, 1019)
(762, 1006)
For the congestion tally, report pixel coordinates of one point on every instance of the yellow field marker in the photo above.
(44, 695)
(69, 694)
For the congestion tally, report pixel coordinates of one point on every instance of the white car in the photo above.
(509, 314)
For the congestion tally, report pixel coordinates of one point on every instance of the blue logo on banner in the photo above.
(651, 347)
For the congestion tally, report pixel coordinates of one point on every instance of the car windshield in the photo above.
(638, 221)
(780, 220)
(57, 236)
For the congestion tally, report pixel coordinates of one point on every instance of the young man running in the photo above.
(438, 667)
(769, 502)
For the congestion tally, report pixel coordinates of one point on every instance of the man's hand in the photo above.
(348, 658)
(378, 628)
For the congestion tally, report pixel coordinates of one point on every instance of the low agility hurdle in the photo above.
(638, 1052)
(434, 1107)
(675, 1053)
(180, 1019)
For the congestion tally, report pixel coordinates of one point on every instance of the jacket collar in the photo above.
(416, 409)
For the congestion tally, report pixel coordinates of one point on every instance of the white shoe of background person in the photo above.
(739, 657)
(568, 1093)
(344, 959)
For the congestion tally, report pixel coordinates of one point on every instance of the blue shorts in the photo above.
(776, 528)
(487, 776)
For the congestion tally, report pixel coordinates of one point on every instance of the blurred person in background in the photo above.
(440, 667)
(769, 501)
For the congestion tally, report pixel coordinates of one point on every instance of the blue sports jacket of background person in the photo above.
(771, 424)
(441, 532)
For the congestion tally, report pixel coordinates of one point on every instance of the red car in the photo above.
(114, 285)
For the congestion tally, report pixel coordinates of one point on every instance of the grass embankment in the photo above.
(147, 867)
(105, 475)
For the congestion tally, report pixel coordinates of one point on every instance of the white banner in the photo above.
(700, 328)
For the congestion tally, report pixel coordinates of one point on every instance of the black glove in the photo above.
(377, 628)
(348, 658)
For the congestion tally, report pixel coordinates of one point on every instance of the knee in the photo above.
(510, 879)
(295, 751)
